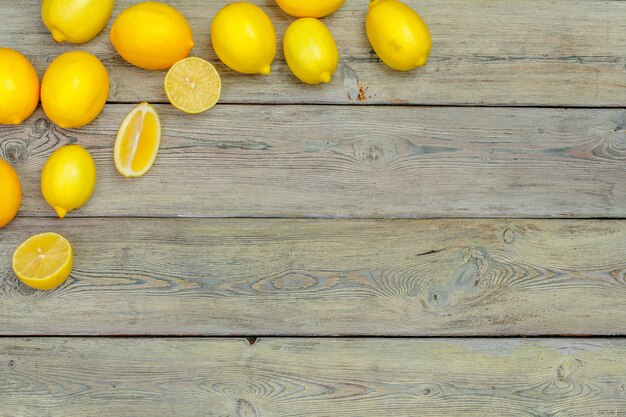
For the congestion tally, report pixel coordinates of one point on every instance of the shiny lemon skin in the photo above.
(152, 35)
(10, 193)
(74, 89)
(75, 21)
(68, 178)
(398, 34)
(309, 8)
(310, 51)
(244, 38)
(19, 87)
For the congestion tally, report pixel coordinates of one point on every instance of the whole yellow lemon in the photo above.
(152, 35)
(310, 51)
(19, 87)
(10, 193)
(398, 34)
(75, 21)
(74, 89)
(244, 38)
(68, 178)
(309, 8)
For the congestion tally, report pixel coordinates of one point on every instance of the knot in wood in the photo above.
(15, 151)
(245, 408)
(428, 390)
(566, 371)
(374, 151)
(294, 281)
(40, 128)
(508, 236)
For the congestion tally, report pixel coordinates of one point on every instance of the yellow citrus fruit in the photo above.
(10, 193)
(152, 35)
(310, 51)
(193, 85)
(19, 87)
(137, 142)
(74, 89)
(75, 21)
(309, 8)
(68, 178)
(244, 38)
(398, 34)
(43, 261)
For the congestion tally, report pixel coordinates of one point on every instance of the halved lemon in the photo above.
(137, 142)
(193, 85)
(43, 261)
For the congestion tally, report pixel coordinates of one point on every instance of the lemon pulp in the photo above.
(193, 85)
(43, 261)
(137, 142)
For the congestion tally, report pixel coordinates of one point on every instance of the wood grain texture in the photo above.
(324, 277)
(346, 161)
(544, 52)
(312, 377)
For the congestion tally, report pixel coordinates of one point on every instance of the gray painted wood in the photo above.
(544, 52)
(345, 161)
(324, 277)
(312, 377)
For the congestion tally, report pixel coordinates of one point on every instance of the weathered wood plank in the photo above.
(312, 377)
(345, 161)
(544, 52)
(324, 277)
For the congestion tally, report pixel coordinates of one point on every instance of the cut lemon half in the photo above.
(43, 261)
(193, 85)
(137, 142)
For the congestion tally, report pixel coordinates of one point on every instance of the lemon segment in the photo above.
(68, 179)
(309, 8)
(310, 51)
(74, 89)
(398, 34)
(244, 38)
(152, 35)
(193, 85)
(137, 142)
(43, 261)
(10, 193)
(75, 21)
(19, 87)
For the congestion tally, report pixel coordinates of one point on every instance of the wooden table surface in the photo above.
(445, 242)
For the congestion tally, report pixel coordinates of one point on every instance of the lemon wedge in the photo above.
(137, 142)
(193, 85)
(43, 261)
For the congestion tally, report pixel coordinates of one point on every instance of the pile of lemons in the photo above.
(156, 36)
